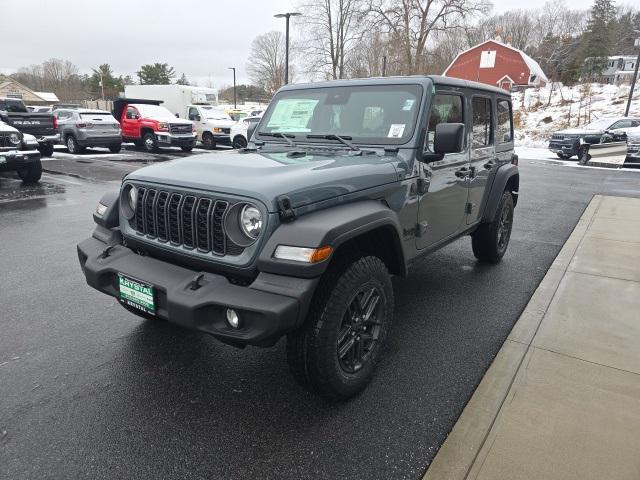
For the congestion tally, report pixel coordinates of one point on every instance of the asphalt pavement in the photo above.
(90, 390)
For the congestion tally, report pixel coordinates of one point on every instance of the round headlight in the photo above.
(128, 199)
(132, 197)
(251, 221)
(14, 138)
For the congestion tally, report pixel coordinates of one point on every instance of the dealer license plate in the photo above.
(137, 294)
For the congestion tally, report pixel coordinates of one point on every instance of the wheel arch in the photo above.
(507, 178)
(367, 227)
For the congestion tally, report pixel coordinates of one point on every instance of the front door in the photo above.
(130, 123)
(442, 200)
(483, 153)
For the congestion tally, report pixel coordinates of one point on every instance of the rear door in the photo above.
(483, 152)
(442, 206)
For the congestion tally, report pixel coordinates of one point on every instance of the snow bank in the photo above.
(537, 117)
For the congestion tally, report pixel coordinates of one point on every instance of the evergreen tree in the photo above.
(183, 80)
(598, 38)
(112, 85)
(156, 74)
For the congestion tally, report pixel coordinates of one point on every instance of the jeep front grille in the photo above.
(183, 220)
(4, 141)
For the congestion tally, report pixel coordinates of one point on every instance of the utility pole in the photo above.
(234, 87)
(384, 66)
(286, 16)
(101, 83)
(635, 76)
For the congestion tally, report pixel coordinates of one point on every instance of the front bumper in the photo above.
(53, 139)
(269, 308)
(14, 159)
(166, 140)
(565, 147)
(633, 151)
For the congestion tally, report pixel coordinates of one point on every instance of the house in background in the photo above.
(619, 69)
(498, 64)
(12, 89)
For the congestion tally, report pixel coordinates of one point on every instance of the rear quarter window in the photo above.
(504, 122)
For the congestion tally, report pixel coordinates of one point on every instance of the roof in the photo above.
(534, 67)
(47, 96)
(425, 80)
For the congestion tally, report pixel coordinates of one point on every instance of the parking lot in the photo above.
(89, 390)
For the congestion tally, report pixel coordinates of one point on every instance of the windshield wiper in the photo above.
(286, 136)
(332, 136)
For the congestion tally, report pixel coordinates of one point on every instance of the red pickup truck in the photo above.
(149, 125)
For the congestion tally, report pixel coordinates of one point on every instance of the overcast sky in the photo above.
(198, 37)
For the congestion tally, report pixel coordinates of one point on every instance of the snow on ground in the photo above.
(544, 156)
(537, 118)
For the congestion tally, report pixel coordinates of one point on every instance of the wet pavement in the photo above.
(89, 390)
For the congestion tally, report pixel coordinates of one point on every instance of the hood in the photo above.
(265, 176)
(6, 128)
(224, 123)
(579, 131)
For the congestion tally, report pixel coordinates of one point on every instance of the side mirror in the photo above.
(449, 138)
(177, 116)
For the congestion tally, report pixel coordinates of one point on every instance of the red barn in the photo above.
(496, 63)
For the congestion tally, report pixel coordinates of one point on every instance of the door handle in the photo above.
(489, 165)
(463, 172)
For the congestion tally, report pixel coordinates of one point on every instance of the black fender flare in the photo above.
(504, 175)
(334, 227)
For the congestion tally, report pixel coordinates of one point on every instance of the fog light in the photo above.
(232, 318)
(101, 209)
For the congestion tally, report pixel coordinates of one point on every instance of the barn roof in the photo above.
(534, 67)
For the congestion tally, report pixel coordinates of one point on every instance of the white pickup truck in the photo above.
(213, 124)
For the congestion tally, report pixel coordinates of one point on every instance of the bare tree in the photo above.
(413, 22)
(267, 61)
(332, 31)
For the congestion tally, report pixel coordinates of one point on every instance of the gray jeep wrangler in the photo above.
(344, 184)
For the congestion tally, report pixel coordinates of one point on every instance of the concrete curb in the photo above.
(462, 448)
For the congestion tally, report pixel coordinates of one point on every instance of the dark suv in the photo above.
(344, 184)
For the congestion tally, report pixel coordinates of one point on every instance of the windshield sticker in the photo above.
(408, 103)
(396, 130)
(292, 115)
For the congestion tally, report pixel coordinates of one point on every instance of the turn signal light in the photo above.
(302, 254)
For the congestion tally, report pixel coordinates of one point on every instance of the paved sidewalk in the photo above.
(562, 398)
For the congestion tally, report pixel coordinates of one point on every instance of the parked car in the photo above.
(43, 126)
(567, 143)
(213, 124)
(19, 153)
(345, 184)
(150, 125)
(633, 146)
(239, 135)
(84, 128)
(236, 114)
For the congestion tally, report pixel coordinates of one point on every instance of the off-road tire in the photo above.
(72, 145)
(584, 158)
(31, 173)
(115, 148)
(208, 141)
(186, 149)
(46, 149)
(150, 143)
(239, 142)
(312, 351)
(487, 241)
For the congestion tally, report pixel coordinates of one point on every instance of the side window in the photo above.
(621, 124)
(444, 109)
(131, 113)
(481, 134)
(192, 113)
(504, 123)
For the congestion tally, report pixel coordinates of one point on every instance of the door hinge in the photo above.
(421, 228)
(468, 208)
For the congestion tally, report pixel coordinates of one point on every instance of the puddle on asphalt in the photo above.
(13, 189)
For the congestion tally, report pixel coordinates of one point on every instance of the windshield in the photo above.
(372, 114)
(215, 113)
(154, 111)
(601, 124)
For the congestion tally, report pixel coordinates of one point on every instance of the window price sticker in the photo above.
(396, 130)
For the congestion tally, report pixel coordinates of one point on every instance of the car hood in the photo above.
(224, 123)
(6, 128)
(580, 131)
(266, 176)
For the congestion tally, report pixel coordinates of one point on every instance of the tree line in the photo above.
(361, 38)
